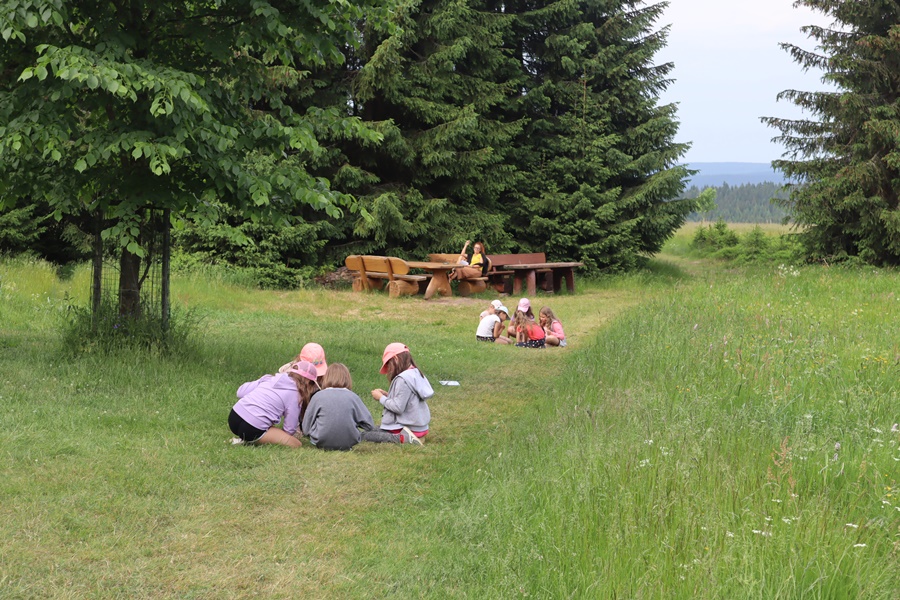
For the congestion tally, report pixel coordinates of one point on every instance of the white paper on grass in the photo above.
(449, 382)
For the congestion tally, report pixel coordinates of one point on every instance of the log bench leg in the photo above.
(557, 279)
(468, 287)
(531, 282)
(547, 283)
(399, 288)
(369, 284)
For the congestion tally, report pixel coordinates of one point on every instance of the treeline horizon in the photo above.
(743, 203)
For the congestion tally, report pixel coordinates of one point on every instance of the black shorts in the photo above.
(482, 338)
(242, 428)
(531, 344)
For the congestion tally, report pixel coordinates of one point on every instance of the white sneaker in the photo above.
(237, 442)
(410, 437)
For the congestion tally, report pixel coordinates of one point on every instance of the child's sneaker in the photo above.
(237, 441)
(410, 438)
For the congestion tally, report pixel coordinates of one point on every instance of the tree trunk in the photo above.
(129, 284)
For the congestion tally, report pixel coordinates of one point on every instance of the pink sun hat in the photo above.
(390, 352)
(304, 369)
(315, 354)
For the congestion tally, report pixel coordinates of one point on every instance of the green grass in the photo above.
(682, 446)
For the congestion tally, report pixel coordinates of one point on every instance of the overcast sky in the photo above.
(728, 71)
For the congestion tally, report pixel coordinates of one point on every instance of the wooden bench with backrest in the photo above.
(371, 272)
(464, 287)
(501, 279)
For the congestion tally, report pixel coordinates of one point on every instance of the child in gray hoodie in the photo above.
(336, 418)
(404, 403)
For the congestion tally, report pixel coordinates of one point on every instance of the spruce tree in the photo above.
(844, 159)
(598, 152)
(437, 86)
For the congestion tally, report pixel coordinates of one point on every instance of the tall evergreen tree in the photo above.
(598, 150)
(437, 87)
(845, 159)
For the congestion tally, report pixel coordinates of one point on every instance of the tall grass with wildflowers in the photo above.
(736, 439)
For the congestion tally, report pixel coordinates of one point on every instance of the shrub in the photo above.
(714, 237)
(108, 331)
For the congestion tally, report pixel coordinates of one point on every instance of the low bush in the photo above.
(755, 247)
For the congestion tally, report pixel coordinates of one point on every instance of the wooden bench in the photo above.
(464, 287)
(502, 279)
(509, 271)
(370, 273)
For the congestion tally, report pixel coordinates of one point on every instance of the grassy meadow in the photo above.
(709, 432)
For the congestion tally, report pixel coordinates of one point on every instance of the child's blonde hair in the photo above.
(549, 314)
(520, 320)
(337, 376)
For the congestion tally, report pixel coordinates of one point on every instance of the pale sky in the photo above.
(728, 71)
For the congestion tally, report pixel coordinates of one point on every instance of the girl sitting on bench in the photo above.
(478, 263)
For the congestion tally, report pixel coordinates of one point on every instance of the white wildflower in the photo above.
(644, 463)
(729, 534)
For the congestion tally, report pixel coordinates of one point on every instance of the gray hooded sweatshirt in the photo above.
(334, 417)
(405, 403)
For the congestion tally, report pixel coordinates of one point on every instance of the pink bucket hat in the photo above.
(304, 369)
(390, 352)
(524, 305)
(315, 354)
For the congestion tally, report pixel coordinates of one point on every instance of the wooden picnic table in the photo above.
(528, 273)
(440, 278)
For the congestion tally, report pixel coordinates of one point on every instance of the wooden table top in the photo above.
(432, 266)
(556, 265)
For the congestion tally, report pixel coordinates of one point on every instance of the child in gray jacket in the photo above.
(336, 415)
(404, 403)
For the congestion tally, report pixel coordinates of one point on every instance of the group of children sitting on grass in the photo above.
(317, 400)
(523, 331)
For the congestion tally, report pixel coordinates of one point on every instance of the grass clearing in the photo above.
(683, 445)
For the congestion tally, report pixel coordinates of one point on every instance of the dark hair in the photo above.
(306, 389)
(399, 363)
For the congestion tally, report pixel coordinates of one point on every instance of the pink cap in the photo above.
(524, 305)
(496, 304)
(304, 369)
(315, 354)
(390, 352)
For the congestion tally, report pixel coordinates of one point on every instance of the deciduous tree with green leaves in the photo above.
(118, 108)
(845, 158)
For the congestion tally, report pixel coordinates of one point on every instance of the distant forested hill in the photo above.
(732, 173)
(744, 203)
